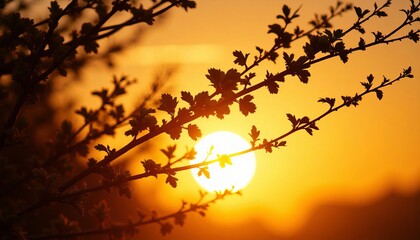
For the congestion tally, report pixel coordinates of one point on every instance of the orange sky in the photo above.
(358, 153)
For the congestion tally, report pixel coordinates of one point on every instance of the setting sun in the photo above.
(237, 175)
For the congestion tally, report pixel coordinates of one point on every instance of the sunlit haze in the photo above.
(357, 156)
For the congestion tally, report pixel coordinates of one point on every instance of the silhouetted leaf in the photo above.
(366, 11)
(101, 147)
(180, 218)
(272, 56)
(378, 36)
(107, 149)
(385, 80)
(254, 135)
(91, 162)
(346, 100)
(366, 85)
(204, 171)
(370, 78)
(381, 14)
(118, 112)
(216, 77)
(360, 13)
(202, 104)
(240, 58)
(298, 31)
(292, 119)
(330, 101)
(260, 50)
(174, 132)
(55, 11)
(313, 126)
(190, 155)
(103, 94)
(288, 58)
(247, 80)
(202, 98)
(267, 146)
(91, 46)
(193, 131)
(183, 113)
(281, 144)
(169, 151)
(187, 97)
(150, 166)
(286, 14)
(172, 181)
(362, 44)
(223, 160)
(202, 213)
(341, 50)
(272, 85)
(286, 10)
(275, 28)
(142, 121)
(414, 36)
(145, 14)
(304, 120)
(168, 103)
(224, 83)
(407, 73)
(379, 94)
(232, 78)
(360, 28)
(338, 33)
(246, 106)
(165, 228)
(356, 99)
(187, 4)
(222, 110)
(297, 67)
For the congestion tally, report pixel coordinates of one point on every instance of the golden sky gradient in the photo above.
(358, 154)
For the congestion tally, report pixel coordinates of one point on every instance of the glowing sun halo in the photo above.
(237, 175)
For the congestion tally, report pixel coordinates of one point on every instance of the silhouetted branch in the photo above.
(130, 228)
(262, 146)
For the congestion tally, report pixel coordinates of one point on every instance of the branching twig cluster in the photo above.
(34, 51)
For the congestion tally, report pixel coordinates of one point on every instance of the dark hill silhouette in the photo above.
(394, 216)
